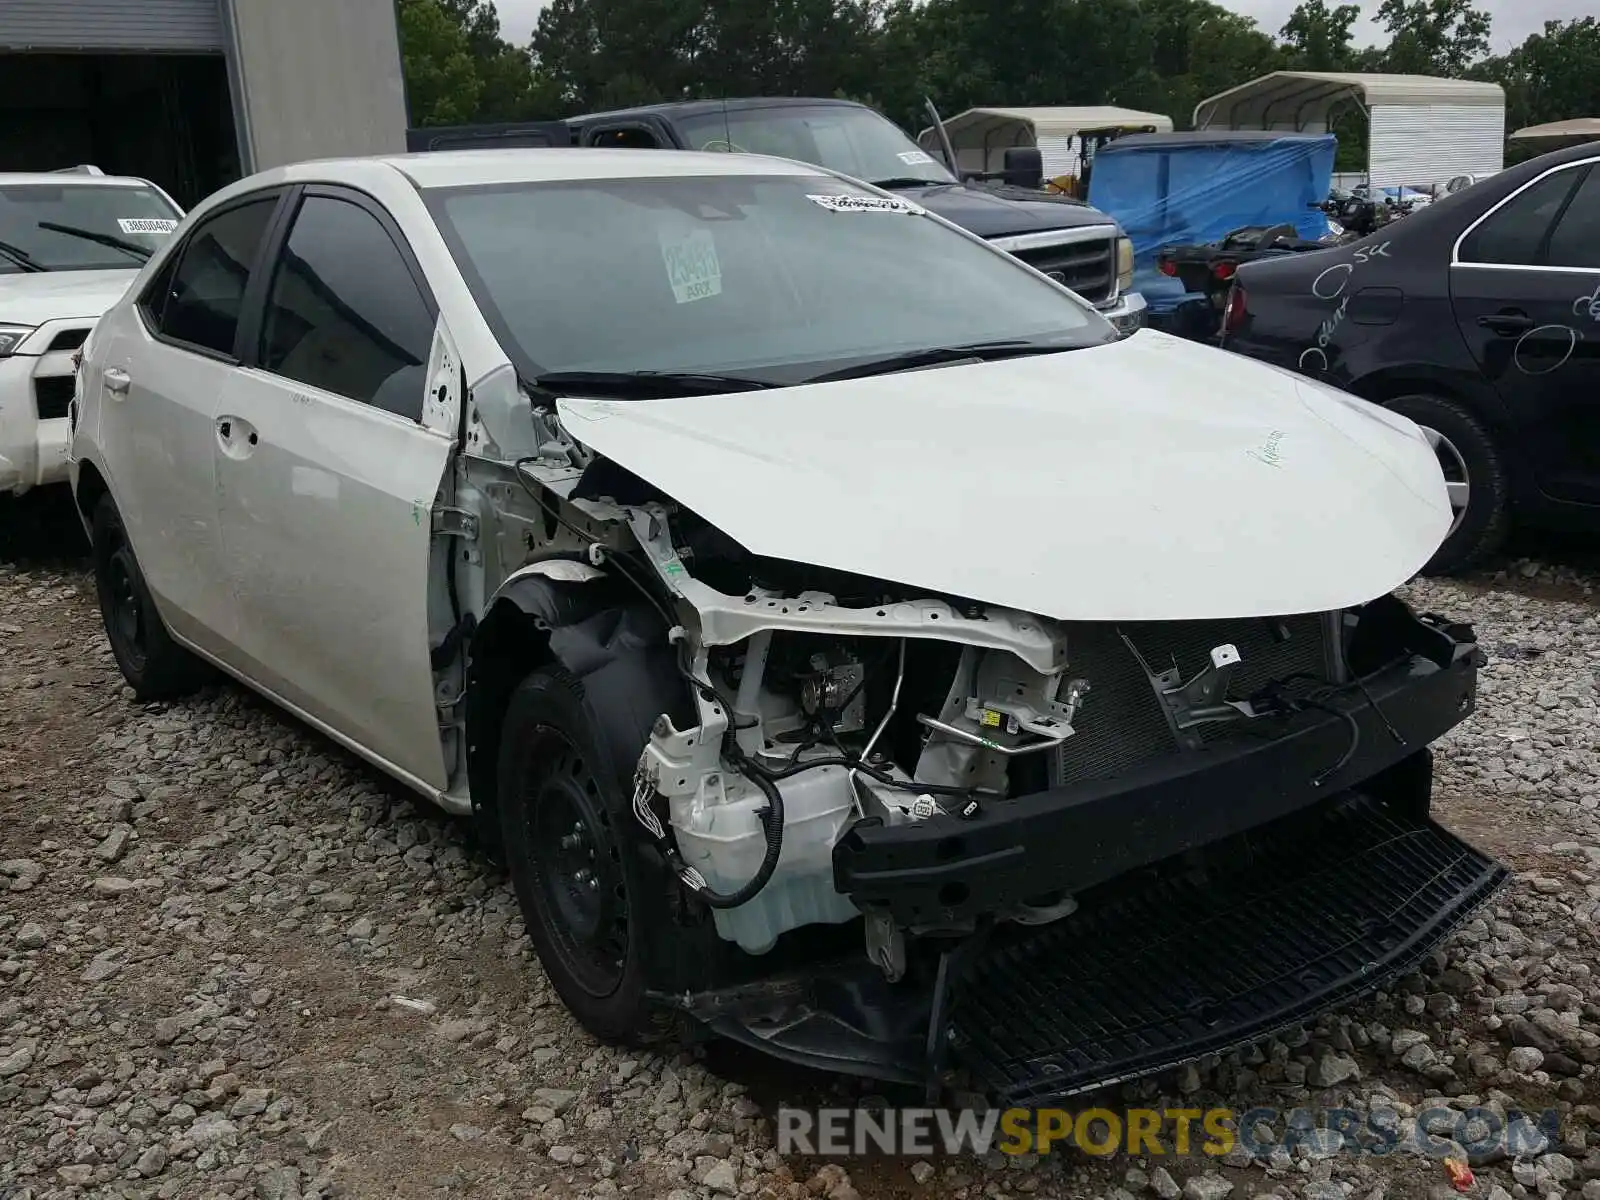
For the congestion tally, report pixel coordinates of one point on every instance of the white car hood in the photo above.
(34, 298)
(1148, 479)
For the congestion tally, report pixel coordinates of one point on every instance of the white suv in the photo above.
(70, 243)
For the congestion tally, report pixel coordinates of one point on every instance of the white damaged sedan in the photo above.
(853, 645)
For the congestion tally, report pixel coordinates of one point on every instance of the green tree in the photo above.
(507, 89)
(601, 53)
(1317, 37)
(1553, 75)
(1434, 37)
(442, 82)
(459, 69)
(1197, 50)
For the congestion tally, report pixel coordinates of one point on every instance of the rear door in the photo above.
(327, 478)
(164, 375)
(1525, 286)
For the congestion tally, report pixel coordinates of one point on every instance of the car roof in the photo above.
(469, 168)
(68, 179)
(697, 108)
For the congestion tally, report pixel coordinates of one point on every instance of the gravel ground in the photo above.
(236, 962)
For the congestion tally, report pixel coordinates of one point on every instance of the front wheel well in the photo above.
(506, 647)
(1380, 389)
(605, 636)
(1385, 388)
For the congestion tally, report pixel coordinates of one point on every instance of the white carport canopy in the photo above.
(1424, 129)
(981, 135)
(1578, 127)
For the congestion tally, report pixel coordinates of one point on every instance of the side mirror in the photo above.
(1024, 167)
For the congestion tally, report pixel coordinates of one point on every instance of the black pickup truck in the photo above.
(1076, 245)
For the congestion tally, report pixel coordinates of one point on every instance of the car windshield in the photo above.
(78, 226)
(777, 278)
(841, 137)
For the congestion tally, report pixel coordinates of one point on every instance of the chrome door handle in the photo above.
(118, 381)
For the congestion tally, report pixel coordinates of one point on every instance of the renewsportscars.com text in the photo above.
(1168, 1132)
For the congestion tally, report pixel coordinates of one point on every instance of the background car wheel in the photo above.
(591, 904)
(1474, 471)
(155, 666)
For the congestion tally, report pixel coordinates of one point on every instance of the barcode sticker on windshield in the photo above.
(866, 204)
(146, 225)
(692, 266)
(914, 158)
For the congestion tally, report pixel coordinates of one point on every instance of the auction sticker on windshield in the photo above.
(914, 158)
(146, 225)
(866, 204)
(692, 265)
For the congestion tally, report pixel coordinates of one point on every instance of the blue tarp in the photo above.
(1171, 188)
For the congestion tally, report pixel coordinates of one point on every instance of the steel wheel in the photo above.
(576, 865)
(127, 611)
(1458, 485)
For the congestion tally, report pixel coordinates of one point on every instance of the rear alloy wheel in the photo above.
(154, 665)
(1457, 481)
(1475, 479)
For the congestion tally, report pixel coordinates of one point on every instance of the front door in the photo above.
(1525, 285)
(164, 375)
(327, 478)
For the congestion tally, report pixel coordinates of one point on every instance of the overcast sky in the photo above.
(1513, 19)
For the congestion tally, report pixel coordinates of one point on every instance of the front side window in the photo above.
(776, 277)
(1514, 233)
(201, 303)
(81, 226)
(344, 314)
(855, 141)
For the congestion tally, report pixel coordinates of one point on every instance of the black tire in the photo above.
(563, 812)
(1467, 447)
(155, 666)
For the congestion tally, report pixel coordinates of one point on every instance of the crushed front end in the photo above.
(946, 836)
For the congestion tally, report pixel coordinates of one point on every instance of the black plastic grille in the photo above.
(51, 395)
(1121, 724)
(1162, 969)
(1088, 268)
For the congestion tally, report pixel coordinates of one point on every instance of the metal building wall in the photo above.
(315, 79)
(1418, 144)
(187, 26)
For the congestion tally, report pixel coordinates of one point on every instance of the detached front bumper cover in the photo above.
(1220, 901)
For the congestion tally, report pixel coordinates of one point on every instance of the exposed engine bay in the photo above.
(957, 776)
(824, 699)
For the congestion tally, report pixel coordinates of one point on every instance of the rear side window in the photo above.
(1513, 235)
(201, 299)
(1576, 239)
(344, 313)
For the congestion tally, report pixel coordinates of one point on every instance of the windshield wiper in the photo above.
(900, 181)
(21, 257)
(933, 356)
(644, 385)
(104, 239)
